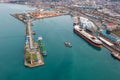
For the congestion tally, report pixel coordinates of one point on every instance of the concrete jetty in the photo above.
(33, 56)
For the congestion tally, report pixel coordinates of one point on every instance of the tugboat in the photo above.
(33, 33)
(42, 46)
(67, 44)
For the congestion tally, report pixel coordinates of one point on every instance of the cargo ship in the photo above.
(88, 37)
(42, 46)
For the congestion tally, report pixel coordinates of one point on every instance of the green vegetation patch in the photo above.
(28, 57)
(34, 56)
(117, 33)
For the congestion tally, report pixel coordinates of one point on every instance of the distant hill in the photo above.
(33, 0)
(115, 0)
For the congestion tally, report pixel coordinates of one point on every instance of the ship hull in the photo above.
(84, 37)
(115, 55)
(42, 48)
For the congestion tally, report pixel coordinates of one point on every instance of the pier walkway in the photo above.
(33, 57)
(30, 34)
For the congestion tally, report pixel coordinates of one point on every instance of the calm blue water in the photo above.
(81, 62)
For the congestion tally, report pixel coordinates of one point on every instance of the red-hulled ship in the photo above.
(116, 55)
(89, 38)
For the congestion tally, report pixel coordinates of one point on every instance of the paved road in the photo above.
(30, 34)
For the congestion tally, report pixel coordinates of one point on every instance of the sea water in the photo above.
(81, 62)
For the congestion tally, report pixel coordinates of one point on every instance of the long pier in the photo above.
(33, 56)
(30, 34)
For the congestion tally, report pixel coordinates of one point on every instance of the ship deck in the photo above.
(86, 34)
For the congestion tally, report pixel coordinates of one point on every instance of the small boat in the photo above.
(33, 33)
(67, 44)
